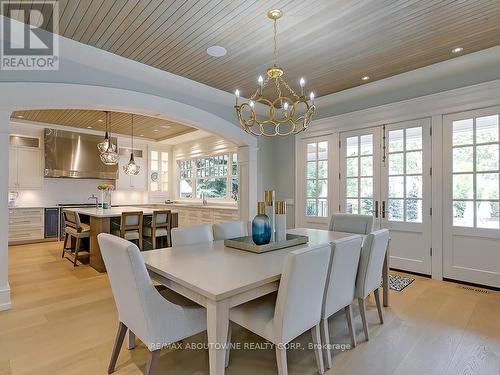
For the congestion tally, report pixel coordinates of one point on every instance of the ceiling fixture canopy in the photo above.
(284, 114)
(109, 156)
(131, 168)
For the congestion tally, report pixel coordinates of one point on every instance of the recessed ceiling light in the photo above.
(100, 120)
(457, 50)
(216, 51)
(165, 126)
(89, 127)
(20, 116)
(365, 78)
(155, 130)
(141, 135)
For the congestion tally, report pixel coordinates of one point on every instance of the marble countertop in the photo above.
(112, 212)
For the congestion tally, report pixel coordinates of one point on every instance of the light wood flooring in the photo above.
(64, 320)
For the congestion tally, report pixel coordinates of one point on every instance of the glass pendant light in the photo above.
(131, 168)
(109, 156)
(104, 145)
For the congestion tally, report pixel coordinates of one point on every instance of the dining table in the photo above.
(219, 277)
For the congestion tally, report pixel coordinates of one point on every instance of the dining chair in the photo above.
(294, 309)
(192, 235)
(351, 223)
(370, 273)
(131, 227)
(74, 228)
(340, 288)
(156, 319)
(161, 224)
(231, 229)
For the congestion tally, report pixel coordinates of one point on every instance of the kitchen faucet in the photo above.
(96, 200)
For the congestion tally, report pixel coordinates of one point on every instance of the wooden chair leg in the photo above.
(325, 339)
(77, 249)
(348, 313)
(131, 340)
(228, 343)
(362, 312)
(152, 365)
(140, 243)
(65, 245)
(281, 360)
(153, 241)
(379, 306)
(318, 353)
(120, 335)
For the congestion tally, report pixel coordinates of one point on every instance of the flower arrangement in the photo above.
(107, 187)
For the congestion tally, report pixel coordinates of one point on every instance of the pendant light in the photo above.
(110, 156)
(131, 168)
(103, 146)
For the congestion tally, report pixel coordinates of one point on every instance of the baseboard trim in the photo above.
(5, 303)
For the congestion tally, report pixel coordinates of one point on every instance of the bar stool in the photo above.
(131, 227)
(74, 228)
(161, 224)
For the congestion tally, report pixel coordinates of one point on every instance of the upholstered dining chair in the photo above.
(294, 309)
(351, 223)
(370, 273)
(161, 223)
(154, 318)
(340, 288)
(131, 227)
(74, 228)
(192, 235)
(231, 229)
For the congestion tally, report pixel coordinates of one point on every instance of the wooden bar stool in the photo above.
(131, 227)
(161, 224)
(73, 228)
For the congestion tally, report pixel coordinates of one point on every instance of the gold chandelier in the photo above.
(288, 113)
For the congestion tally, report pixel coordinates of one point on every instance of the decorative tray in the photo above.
(247, 244)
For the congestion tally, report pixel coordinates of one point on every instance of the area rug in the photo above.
(398, 283)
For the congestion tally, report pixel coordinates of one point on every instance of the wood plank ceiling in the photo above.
(332, 43)
(121, 123)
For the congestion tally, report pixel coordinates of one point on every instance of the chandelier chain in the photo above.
(275, 52)
(289, 88)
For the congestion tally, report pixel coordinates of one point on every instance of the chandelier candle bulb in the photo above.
(237, 94)
(269, 198)
(311, 96)
(302, 83)
(280, 221)
(260, 80)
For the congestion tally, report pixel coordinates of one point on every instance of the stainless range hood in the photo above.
(75, 155)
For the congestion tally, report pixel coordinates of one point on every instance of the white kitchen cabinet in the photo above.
(26, 224)
(126, 182)
(25, 168)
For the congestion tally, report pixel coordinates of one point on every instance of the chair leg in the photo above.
(325, 340)
(153, 362)
(318, 353)
(65, 245)
(120, 335)
(379, 306)
(362, 312)
(281, 360)
(131, 340)
(77, 249)
(153, 241)
(228, 343)
(348, 313)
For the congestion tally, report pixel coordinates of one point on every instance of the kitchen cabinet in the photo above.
(26, 224)
(25, 168)
(189, 215)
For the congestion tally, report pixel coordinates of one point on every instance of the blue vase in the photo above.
(261, 229)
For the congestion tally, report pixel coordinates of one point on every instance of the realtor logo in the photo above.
(29, 39)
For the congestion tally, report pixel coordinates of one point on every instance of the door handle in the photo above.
(383, 209)
(376, 210)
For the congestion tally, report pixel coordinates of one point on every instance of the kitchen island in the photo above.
(100, 222)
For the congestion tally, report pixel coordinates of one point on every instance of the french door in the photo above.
(471, 223)
(385, 172)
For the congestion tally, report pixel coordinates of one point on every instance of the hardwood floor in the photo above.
(64, 321)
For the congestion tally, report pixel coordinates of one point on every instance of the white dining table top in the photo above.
(218, 272)
(113, 211)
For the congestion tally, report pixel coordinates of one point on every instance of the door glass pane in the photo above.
(366, 165)
(323, 169)
(352, 167)
(463, 159)
(463, 133)
(312, 189)
(463, 213)
(487, 186)
(463, 187)
(311, 169)
(487, 214)
(396, 140)
(311, 151)
(317, 179)
(414, 187)
(322, 189)
(352, 187)
(352, 206)
(414, 210)
(414, 138)
(487, 158)
(396, 164)
(414, 162)
(352, 146)
(487, 129)
(323, 151)
(323, 207)
(366, 187)
(367, 144)
(311, 207)
(396, 209)
(366, 206)
(396, 187)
